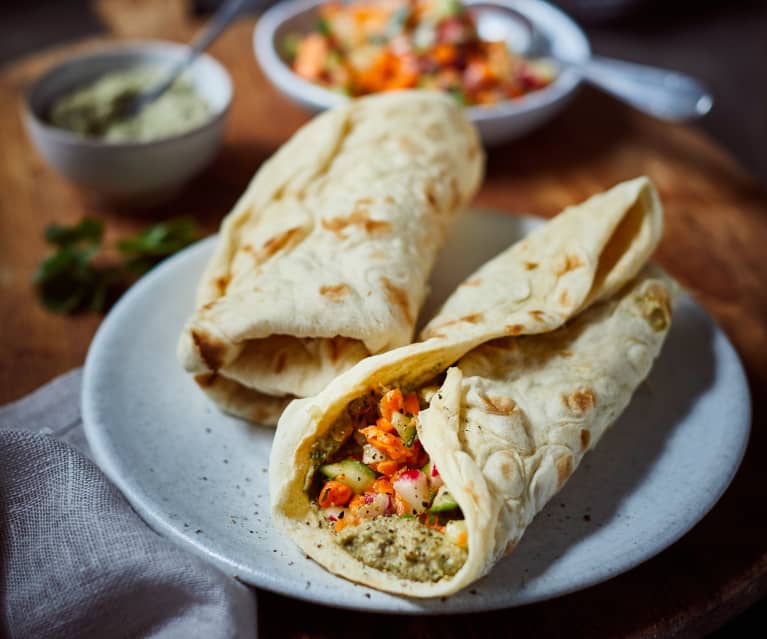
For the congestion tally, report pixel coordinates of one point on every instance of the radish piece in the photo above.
(435, 479)
(413, 486)
(375, 505)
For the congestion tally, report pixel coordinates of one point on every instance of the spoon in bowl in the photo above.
(130, 104)
(665, 94)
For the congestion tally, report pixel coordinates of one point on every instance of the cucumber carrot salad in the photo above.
(373, 466)
(383, 45)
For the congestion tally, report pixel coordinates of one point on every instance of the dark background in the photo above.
(724, 43)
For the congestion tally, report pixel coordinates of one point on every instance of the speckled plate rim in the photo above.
(155, 513)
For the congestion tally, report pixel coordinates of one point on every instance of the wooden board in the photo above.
(716, 234)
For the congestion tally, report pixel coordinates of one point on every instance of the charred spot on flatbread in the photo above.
(580, 401)
(220, 283)
(431, 197)
(568, 263)
(500, 405)
(284, 240)
(336, 292)
(398, 297)
(211, 350)
(359, 217)
(515, 329)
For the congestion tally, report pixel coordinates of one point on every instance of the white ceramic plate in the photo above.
(505, 121)
(200, 477)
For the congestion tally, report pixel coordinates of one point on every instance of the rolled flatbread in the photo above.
(520, 373)
(324, 260)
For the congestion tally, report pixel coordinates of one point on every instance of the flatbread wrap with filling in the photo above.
(418, 469)
(325, 258)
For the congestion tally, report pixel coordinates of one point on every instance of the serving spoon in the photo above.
(665, 94)
(130, 104)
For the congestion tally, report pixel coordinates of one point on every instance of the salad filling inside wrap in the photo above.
(418, 469)
(371, 467)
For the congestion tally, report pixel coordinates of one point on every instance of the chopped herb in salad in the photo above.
(383, 45)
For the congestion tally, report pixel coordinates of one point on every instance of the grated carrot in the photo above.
(383, 485)
(334, 493)
(388, 467)
(411, 404)
(391, 402)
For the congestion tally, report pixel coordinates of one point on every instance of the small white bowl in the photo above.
(498, 123)
(134, 173)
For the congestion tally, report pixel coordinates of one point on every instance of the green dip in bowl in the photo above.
(94, 110)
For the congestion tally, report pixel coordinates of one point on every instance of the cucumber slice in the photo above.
(443, 501)
(352, 473)
(405, 428)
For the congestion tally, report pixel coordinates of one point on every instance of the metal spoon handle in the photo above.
(224, 15)
(666, 94)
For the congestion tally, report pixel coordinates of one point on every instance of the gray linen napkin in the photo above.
(75, 559)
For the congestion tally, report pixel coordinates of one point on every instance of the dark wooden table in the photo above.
(715, 244)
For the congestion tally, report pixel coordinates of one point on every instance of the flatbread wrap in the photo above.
(418, 469)
(325, 258)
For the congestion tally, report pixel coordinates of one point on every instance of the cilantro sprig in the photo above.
(154, 244)
(72, 279)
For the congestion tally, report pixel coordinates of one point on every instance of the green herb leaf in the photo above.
(68, 281)
(290, 44)
(323, 26)
(151, 246)
(458, 95)
(89, 230)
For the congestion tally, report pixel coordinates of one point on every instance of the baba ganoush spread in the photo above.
(97, 109)
(403, 546)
